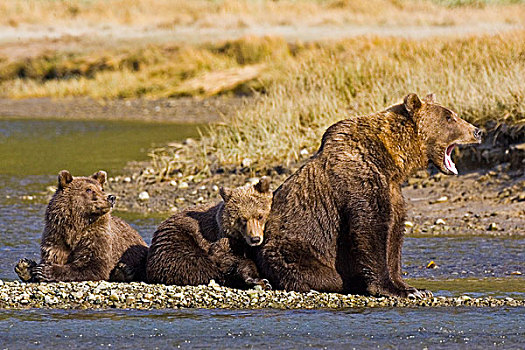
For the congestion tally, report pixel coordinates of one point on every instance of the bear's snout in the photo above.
(255, 240)
(112, 199)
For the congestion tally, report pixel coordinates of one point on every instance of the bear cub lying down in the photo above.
(82, 241)
(213, 241)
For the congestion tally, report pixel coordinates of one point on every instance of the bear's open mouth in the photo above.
(447, 160)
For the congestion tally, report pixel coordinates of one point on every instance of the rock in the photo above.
(409, 224)
(440, 222)
(215, 188)
(143, 196)
(183, 185)
(493, 227)
(127, 179)
(441, 199)
(246, 162)
(432, 265)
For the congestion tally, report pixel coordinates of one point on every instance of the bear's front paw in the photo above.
(414, 293)
(262, 282)
(41, 273)
(24, 269)
(122, 273)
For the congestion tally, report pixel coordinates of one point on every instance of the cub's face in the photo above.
(84, 195)
(246, 210)
(442, 130)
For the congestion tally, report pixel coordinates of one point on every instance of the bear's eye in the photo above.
(449, 118)
(89, 190)
(260, 217)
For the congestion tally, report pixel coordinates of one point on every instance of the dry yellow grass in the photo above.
(155, 71)
(480, 77)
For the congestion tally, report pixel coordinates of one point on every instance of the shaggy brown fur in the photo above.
(212, 242)
(82, 240)
(336, 225)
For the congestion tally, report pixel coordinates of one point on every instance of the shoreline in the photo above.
(184, 110)
(105, 295)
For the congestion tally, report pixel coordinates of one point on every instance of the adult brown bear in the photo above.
(337, 224)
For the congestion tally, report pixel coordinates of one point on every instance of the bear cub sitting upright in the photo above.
(82, 241)
(213, 241)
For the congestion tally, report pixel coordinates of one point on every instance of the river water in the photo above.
(31, 154)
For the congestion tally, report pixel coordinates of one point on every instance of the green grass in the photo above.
(479, 77)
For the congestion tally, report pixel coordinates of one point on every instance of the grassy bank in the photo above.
(155, 71)
(480, 77)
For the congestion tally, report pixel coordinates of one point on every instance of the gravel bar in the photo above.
(104, 295)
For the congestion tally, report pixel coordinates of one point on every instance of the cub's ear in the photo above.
(430, 98)
(100, 176)
(412, 103)
(263, 185)
(225, 193)
(64, 178)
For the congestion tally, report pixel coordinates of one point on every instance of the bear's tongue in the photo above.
(449, 164)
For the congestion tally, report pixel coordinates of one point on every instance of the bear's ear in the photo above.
(263, 186)
(225, 193)
(100, 176)
(430, 98)
(412, 103)
(64, 178)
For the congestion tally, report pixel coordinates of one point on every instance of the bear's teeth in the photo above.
(449, 164)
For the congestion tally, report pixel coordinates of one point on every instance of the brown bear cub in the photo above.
(82, 241)
(213, 241)
(337, 224)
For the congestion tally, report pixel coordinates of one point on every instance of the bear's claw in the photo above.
(419, 294)
(39, 274)
(262, 282)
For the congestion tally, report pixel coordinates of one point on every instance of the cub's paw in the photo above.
(122, 273)
(24, 269)
(262, 282)
(41, 273)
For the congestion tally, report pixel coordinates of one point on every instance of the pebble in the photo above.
(246, 162)
(409, 224)
(440, 222)
(441, 199)
(183, 185)
(127, 179)
(76, 295)
(144, 196)
(493, 227)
